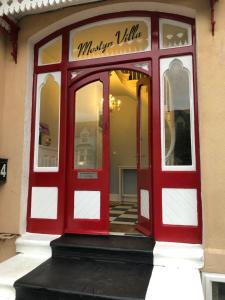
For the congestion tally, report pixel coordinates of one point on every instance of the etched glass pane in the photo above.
(111, 37)
(174, 34)
(88, 126)
(144, 134)
(47, 120)
(51, 53)
(177, 114)
(218, 290)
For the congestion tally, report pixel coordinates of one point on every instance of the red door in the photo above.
(88, 156)
(144, 171)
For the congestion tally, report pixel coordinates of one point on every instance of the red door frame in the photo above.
(161, 179)
(144, 176)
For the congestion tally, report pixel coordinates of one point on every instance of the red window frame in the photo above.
(161, 179)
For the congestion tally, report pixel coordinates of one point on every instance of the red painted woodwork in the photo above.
(102, 182)
(160, 179)
(144, 175)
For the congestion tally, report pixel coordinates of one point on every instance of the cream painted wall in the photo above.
(211, 92)
(122, 139)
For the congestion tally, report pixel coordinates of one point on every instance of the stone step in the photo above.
(67, 279)
(109, 248)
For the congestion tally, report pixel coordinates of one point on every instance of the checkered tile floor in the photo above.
(123, 213)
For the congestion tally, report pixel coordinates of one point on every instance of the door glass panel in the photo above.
(174, 34)
(109, 38)
(178, 105)
(50, 53)
(88, 126)
(47, 121)
(144, 134)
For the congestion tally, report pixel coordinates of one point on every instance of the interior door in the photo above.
(144, 171)
(88, 156)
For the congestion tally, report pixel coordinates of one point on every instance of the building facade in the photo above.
(112, 100)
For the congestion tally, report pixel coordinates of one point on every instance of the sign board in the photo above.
(112, 37)
(3, 170)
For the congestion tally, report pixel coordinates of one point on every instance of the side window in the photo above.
(177, 113)
(47, 122)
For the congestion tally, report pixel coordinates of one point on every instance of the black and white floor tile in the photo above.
(124, 213)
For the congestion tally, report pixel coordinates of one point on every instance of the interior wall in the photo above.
(122, 139)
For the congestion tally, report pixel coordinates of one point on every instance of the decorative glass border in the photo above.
(175, 23)
(47, 45)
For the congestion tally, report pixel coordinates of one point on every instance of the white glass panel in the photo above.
(88, 126)
(47, 122)
(111, 37)
(174, 34)
(51, 53)
(87, 205)
(179, 206)
(144, 195)
(177, 114)
(44, 202)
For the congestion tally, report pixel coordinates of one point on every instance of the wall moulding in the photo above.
(23, 7)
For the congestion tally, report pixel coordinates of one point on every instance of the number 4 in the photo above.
(3, 170)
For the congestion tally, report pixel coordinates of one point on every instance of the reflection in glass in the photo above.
(218, 290)
(174, 34)
(144, 134)
(177, 115)
(88, 126)
(51, 53)
(49, 123)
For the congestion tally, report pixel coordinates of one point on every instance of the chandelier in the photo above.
(114, 104)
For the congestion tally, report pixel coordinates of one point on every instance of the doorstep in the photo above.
(175, 273)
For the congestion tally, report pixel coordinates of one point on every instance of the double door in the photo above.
(88, 161)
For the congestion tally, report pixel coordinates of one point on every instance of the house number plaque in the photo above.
(3, 170)
(87, 175)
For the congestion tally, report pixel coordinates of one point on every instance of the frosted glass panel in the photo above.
(51, 53)
(177, 112)
(47, 120)
(88, 126)
(111, 37)
(174, 34)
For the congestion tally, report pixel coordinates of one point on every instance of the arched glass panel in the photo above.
(51, 53)
(174, 34)
(88, 126)
(47, 122)
(177, 112)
